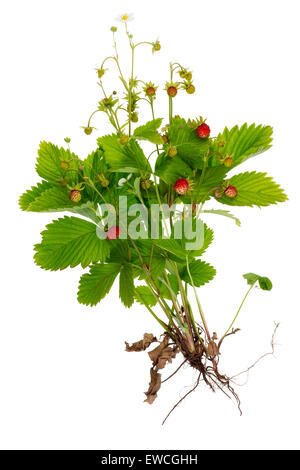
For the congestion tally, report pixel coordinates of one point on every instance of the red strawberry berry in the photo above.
(113, 233)
(75, 195)
(150, 91)
(203, 131)
(172, 91)
(231, 192)
(181, 186)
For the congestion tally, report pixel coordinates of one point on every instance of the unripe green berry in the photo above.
(228, 161)
(190, 89)
(64, 165)
(145, 184)
(88, 130)
(124, 139)
(172, 152)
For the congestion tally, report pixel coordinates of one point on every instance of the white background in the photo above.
(65, 380)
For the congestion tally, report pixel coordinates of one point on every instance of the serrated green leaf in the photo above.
(33, 193)
(126, 285)
(244, 142)
(128, 158)
(254, 189)
(96, 284)
(70, 241)
(144, 296)
(53, 199)
(264, 282)
(149, 132)
(49, 159)
(169, 169)
(201, 273)
(208, 239)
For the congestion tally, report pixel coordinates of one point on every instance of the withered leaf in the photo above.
(162, 354)
(142, 344)
(212, 349)
(154, 386)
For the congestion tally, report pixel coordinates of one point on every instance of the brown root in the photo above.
(204, 359)
(270, 353)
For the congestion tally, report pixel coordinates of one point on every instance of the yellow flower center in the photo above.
(124, 17)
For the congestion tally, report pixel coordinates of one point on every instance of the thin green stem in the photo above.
(197, 300)
(118, 64)
(240, 307)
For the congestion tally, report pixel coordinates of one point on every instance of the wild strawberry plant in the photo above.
(137, 214)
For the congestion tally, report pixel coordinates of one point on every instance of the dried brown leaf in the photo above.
(154, 386)
(142, 344)
(162, 354)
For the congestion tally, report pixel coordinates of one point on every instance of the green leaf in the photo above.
(96, 284)
(149, 132)
(208, 239)
(126, 285)
(264, 282)
(169, 169)
(201, 273)
(213, 178)
(190, 147)
(49, 159)
(244, 142)
(144, 296)
(70, 241)
(32, 194)
(254, 189)
(127, 158)
(53, 199)
(224, 214)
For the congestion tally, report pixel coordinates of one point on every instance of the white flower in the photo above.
(125, 17)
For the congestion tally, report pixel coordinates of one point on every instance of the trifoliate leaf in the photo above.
(264, 282)
(254, 189)
(96, 284)
(144, 296)
(201, 273)
(32, 194)
(149, 132)
(126, 285)
(68, 242)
